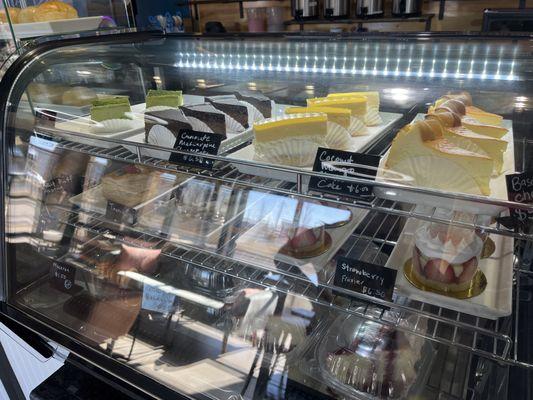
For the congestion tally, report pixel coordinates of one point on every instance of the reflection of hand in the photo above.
(135, 259)
(138, 258)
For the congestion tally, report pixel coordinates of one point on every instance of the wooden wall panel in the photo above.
(460, 15)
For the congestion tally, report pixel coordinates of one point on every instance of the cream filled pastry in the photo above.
(291, 139)
(446, 258)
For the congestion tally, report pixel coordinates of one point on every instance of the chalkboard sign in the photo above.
(366, 278)
(520, 190)
(329, 161)
(62, 183)
(45, 117)
(62, 276)
(120, 213)
(196, 142)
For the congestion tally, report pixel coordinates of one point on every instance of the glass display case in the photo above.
(21, 21)
(278, 216)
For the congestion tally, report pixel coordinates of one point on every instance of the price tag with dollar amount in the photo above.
(520, 190)
(365, 278)
(197, 143)
(344, 163)
(62, 276)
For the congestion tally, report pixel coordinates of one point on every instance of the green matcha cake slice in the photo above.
(110, 108)
(167, 98)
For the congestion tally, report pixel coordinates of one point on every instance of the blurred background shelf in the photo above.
(426, 19)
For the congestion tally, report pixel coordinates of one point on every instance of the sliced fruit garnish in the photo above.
(470, 268)
(439, 270)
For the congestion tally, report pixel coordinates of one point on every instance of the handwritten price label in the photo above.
(337, 162)
(365, 278)
(62, 276)
(520, 190)
(197, 143)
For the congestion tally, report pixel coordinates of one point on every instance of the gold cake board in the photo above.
(478, 285)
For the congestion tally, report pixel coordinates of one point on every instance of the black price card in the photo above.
(335, 162)
(366, 278)
(520, 190)
(196, 142)
(62, 276)
(45, 117)
(121, 214)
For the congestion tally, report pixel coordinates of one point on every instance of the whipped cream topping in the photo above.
(430, 246)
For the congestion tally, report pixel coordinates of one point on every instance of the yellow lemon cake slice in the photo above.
(340, 116)
(291, 139)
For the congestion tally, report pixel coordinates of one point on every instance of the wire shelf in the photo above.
(486, 338)
(225, 171)
(466, 332)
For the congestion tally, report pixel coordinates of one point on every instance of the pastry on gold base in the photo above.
(290, 251)
(476, 287)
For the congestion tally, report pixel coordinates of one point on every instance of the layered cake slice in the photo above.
(461, 106)
(424, 157)
(230, 105)
(262, 103)
(164, 98)
(483, 116)
(356, 105)
(209, 115)
(372, 97)
(131, 185)
(484, 129)
(110, 108)
(465, 138)
(172, 119)
(340, 116)
(339, 124)
(290, 140)
(372, 117)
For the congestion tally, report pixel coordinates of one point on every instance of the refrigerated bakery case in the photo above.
(175, 233)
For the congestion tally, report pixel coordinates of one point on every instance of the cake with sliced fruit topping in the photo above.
(164, 98)
(304, 241)
(445, 258)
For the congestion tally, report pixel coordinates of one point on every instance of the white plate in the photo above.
(359, 144)
(493, 303)
(498, 186)
(34, 29)
(85, 136)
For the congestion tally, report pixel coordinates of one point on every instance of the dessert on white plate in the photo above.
(446, 258)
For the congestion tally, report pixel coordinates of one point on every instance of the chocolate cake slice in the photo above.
(258, 100)
(209, 115)
(230, 105)
(173, 120)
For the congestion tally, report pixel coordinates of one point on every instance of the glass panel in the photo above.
(397, 269)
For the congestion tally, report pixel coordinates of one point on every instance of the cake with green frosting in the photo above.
(110, 108)
(165, 98)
